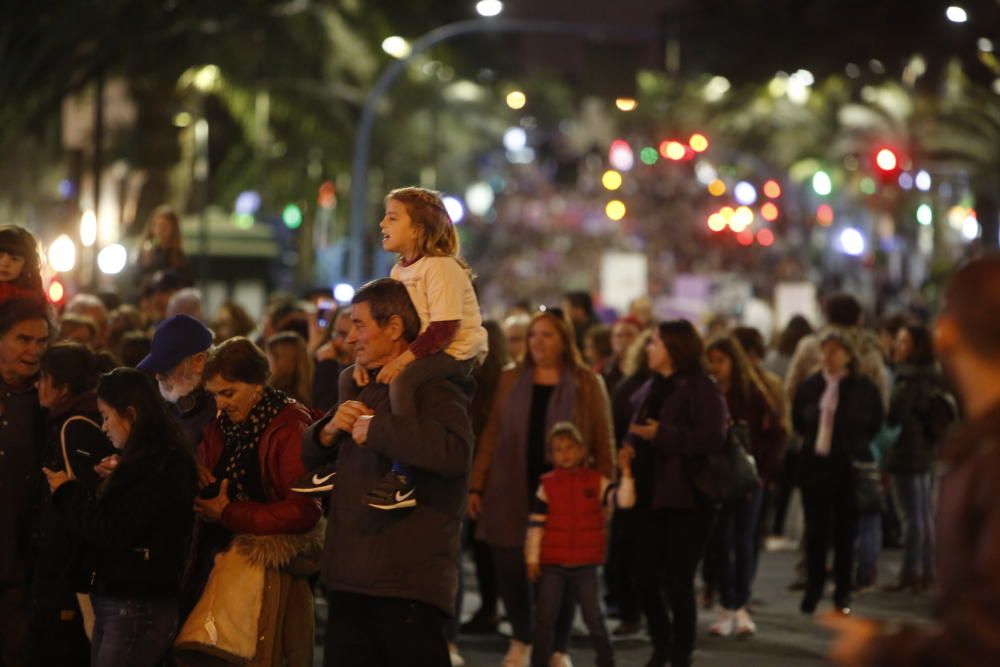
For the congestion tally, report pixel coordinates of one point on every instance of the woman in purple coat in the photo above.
(680, 415)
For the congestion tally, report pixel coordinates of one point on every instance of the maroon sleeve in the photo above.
(435, 338)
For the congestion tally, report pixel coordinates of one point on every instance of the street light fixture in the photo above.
(956, 14)
(88, 228)
(489, 7)
(396, 46)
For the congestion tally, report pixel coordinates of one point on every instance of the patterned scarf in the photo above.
(242, 438)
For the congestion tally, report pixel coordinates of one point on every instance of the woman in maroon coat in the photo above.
(248, 459)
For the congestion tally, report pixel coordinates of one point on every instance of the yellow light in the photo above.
(727, 213)
(717, 188)
(611, 180)
(675, 150)
(615, 209)
(626, 103)
(698, 143)
(716, 222)
(769, 212)
(56, 291)
(741, 219)
(516, 99)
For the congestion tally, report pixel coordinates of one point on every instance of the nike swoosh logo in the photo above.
(317, 480)
(401, 497)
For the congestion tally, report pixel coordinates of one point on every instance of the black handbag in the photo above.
(730, 474)
(866, 487)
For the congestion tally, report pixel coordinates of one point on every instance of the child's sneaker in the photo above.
(318, 482)
(743, 624)
(724, 622)
(394, 492)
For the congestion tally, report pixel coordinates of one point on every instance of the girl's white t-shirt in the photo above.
(442, 291)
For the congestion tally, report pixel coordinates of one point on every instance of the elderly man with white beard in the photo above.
(177, 358)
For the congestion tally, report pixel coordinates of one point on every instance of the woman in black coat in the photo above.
(837, 412)
(74, 443)
(137, 523)
(921, 410)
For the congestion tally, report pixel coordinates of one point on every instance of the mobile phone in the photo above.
(325, 310)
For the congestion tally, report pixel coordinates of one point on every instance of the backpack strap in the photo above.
(62, 441)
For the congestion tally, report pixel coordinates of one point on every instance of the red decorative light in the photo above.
(824, 214)
(765, 237)
(769, 212)
(772, 189)
(745, 237)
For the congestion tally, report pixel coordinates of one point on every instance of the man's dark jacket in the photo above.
(409, 553)
(966, 630)
(22, 437)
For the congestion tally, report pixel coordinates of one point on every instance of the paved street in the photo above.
(785, 638)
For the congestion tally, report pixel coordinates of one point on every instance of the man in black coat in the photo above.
(24, 334)
(391, 576)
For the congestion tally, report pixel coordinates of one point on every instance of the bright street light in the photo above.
(956, 14)
(489, 7)
(852, 242)
(343, 293)
(516, 99)
(455, 209)
(62, 254)
(396, 46)
(515, 139)
(626, 103)
(112, 259)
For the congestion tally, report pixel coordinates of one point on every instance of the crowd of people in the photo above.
(177, 488)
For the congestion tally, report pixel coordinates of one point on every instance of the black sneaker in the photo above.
(318, 482)
(394, 492)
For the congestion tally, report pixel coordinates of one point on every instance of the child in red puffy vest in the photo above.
(566, 539)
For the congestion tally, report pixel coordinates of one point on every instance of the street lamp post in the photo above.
(362, 139)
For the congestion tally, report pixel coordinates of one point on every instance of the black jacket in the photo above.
(410, 554)
(856, 422)
(60, 566)
(22, 437)
(138, 523)
(923, 409)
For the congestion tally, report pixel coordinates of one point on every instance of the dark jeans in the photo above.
(829, 516)
(913, 495)
(869, 546)
(14, 619)
(734, 550)
(558, 583)
(368, 631)
(486, 571)
(670, 544)
(618, 578)
(131, 631)
(517, 593)
(783, 490)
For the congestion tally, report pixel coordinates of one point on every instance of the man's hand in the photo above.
(211, 509)
(55, 479)
(343, 420)
(625, 457)
(392, 369)
(853, 639)
(475, 506)
(534, 571)
(645, 431)
(106, 466)
(360, 431)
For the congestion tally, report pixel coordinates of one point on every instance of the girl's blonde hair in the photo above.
(428, 214)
